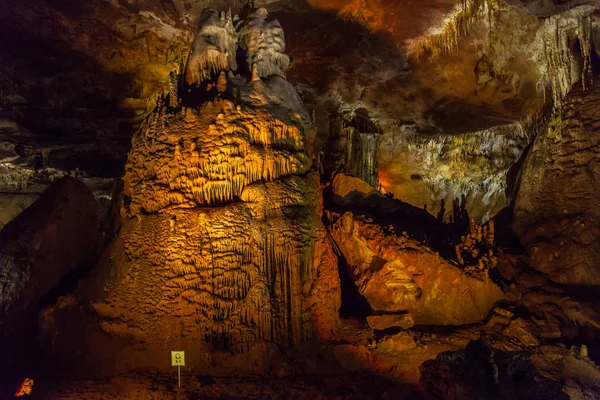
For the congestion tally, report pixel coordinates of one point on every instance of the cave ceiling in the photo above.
(77, 78)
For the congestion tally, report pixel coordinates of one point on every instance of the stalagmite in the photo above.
(214, 47)
(368, 163)
(265, 45)
(212, 255)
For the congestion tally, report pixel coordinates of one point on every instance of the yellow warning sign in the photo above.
(178, 358)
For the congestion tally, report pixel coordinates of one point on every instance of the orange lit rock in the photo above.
(344, 185)
(26, 388)
(398, 343)
(386, 321)
(396, 274)
(222, 249)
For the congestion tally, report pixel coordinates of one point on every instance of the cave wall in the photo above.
(556, 208)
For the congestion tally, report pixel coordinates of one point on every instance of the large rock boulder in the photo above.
(56, 234)
(557, 209)
(397, 274)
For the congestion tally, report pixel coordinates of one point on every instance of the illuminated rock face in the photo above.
(397, 274)
(222, 246)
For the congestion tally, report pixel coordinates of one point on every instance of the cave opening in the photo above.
(353, 304)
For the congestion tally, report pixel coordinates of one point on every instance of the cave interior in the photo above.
(311, 199)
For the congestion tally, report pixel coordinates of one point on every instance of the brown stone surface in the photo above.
(386, 321)
(59, 232)
(557, 210)
(346, 187)
(220, 245)
(395, 273)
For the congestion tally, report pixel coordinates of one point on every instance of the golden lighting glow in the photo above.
(25, 388)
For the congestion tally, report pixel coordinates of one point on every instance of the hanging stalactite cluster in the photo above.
(172, 164)
(353, 148)
(445, 38)
(461, 154)
(567, 47)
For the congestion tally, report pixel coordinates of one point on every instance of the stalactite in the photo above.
(468, 157)
(445, 38)
(352, 149)
(558, 36)
(367, 168)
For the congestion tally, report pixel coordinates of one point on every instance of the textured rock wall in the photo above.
(557, 207)
(214, 47)
(222, 246)
(264, 42)
(425, 170)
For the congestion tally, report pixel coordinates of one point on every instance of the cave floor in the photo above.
(164, 386)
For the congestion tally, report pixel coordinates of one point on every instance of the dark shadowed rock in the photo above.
(55, 235)
(480, 372)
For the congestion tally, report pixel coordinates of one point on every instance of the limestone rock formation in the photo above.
(52, 237)
(397, 274)
(264, 42)
(557, 209)
(387, 321)
(214, 47)
(222, 247)
(476, 250)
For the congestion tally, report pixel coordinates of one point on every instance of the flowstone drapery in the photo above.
(222, 246)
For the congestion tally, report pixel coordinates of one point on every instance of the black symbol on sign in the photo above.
(178, 358)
